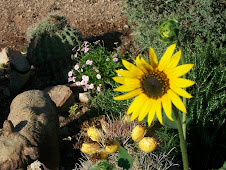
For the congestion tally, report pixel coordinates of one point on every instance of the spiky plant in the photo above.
(121, 129)
(50, 48)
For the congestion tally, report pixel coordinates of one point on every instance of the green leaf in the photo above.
(124, 159)
(173, 124)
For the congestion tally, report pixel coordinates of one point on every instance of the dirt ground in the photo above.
(89, 17)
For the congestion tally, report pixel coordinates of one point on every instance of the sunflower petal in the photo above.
(145, 109)
(120, 80)
(153, 58)
(129, 74)
(151, 113)
(180, 91)
(140, 66)
(166, 57)
(159, 110)
(128, 87)
(181, 82)
(147, 66)
(180, 70)
(129, 95)
(176, 101)
(167, 106)
(138, 110)
(174, 62)
(129, 66)
(134, 104)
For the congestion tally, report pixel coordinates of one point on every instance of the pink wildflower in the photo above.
(115, 55)
(83, 65)
(83, 82)
(78, 83)
(91, 86)
(86, 78)
(70, 73)
(115, 59)
(73, 79)
(69, 79)
(87, 86)
(76, 67)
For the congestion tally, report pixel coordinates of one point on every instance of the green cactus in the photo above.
(103, 165)
(50, 47)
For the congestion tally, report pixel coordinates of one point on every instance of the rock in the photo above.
(62, 96)
(84, 97)
(8, 54)
(19, 73)
(37, 165)
(30, 133)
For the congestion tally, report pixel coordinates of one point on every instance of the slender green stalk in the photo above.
(184, 99)
(183, 144)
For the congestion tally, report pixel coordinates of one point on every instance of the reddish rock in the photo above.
(62, 96)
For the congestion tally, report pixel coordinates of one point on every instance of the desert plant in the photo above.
(50, 48)
(195, 19)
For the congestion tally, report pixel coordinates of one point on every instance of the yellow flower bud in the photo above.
(94, 134)
(147, 144)
(90, 148)
(113, 147)
(138, 133)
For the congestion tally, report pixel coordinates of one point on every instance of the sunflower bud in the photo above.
(138, 133)
(148, 144)
(112, 146)
(90, 148)
(94, 134)
(168, 31)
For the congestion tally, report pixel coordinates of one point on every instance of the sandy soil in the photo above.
(89, 17)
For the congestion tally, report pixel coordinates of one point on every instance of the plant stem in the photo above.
(184, 100)
(183, 144)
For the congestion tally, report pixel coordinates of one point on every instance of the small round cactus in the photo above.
(112, 146)
(50, 48)
(148, 144)
(138, 133)
(90, 148)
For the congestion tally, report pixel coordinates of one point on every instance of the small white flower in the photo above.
(98, 76)
(108, 59)
(91, 86)
(86, 78)
(76, 67)
(78, 83)
(98, 88)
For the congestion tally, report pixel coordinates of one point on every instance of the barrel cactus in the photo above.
(50, 48)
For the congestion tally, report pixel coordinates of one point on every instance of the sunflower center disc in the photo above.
(153, 86)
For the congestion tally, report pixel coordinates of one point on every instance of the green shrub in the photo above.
(196, 20)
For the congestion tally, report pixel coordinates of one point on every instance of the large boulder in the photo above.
(30, 133)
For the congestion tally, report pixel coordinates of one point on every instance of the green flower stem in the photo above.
(184, 99)
(183, 144)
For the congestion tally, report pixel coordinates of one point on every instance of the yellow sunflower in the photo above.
(156, 85)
